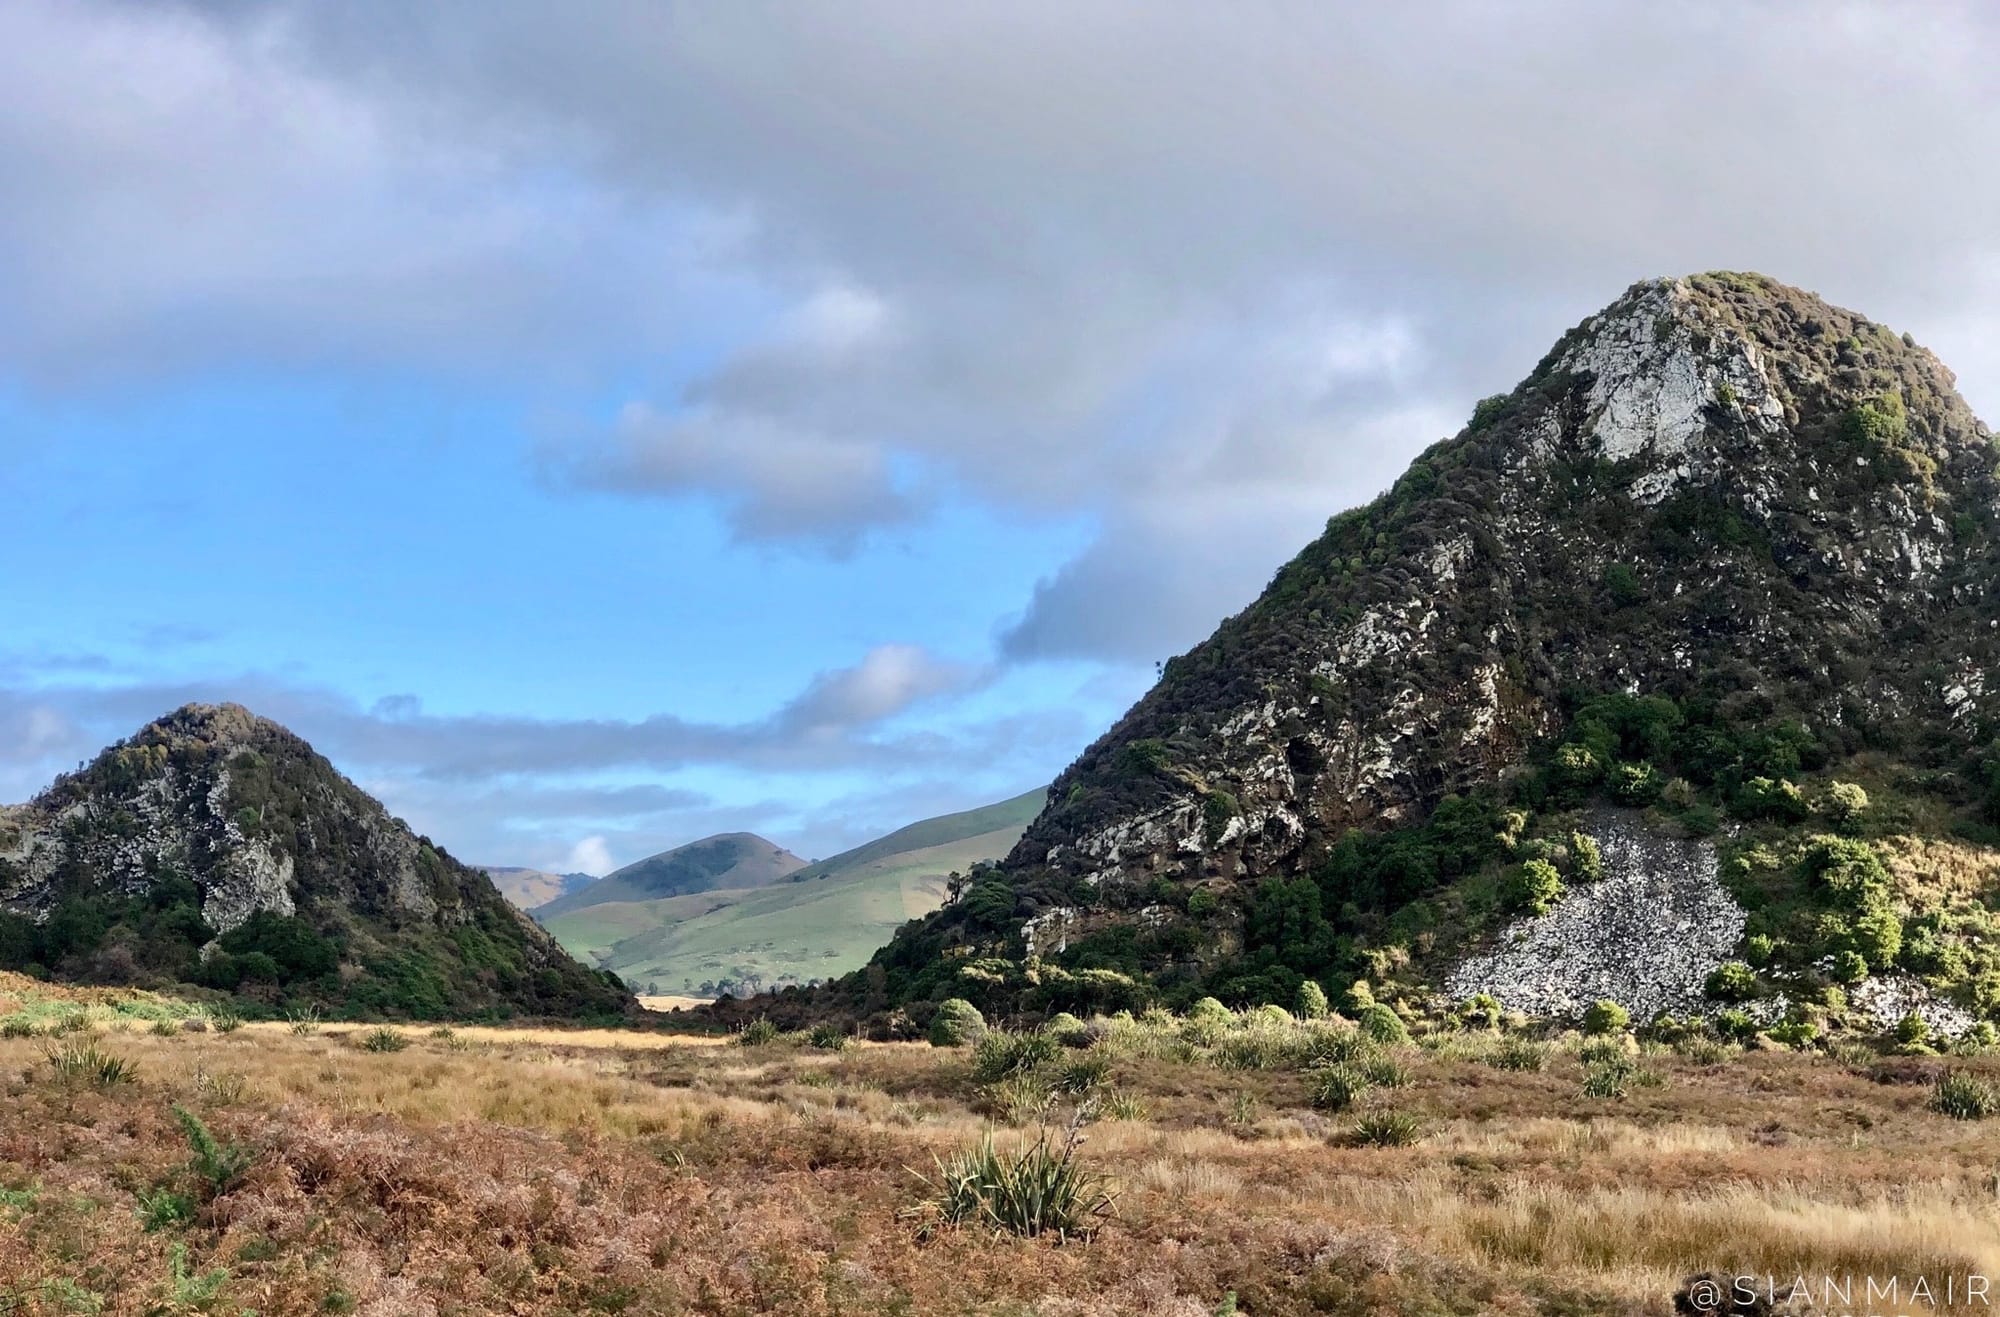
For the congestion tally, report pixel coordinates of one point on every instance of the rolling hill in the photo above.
(726, 860)
(528, 888)
(815, 922)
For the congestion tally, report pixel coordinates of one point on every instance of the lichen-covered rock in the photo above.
(1647, 934)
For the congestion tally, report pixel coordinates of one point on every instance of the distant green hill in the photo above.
(816, 922)
(726, 860)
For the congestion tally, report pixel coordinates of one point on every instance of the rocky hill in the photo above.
(215, 847)
(1727, 557)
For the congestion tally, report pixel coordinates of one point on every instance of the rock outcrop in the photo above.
(235, 817)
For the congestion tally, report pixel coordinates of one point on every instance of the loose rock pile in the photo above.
(1646, 935)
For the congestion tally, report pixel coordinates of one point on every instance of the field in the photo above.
(412, 1171)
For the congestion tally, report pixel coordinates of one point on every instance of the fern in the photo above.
(219, 1166)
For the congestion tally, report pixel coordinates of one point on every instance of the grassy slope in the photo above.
(826, 920)
(726, 861)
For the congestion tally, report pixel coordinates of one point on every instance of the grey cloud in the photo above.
(1054, 258)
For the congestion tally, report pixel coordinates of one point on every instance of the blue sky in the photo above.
(594, 433)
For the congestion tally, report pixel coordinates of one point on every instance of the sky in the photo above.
(594, 427)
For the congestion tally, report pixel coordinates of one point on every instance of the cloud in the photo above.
(1115, 262)
(589, 856)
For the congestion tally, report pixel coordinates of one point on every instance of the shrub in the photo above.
(1336, 1087)
(1964, 1096)
(1795, 1033)
(1312, 1003)
(1534, 887)
(1732, 981)
(1067, 1030)
(1635, 784)
(164, 1028)
(1388, 1129)
(305, 1020)
(1735, 1024)
(760, 1032)
(1912, 1031)
(1383, 1025)
(828, 1038)
(1121, 1106)
(1845, 803)
(85, 1063)
(162, 1209)
(1000, 1053)
(1210, 1011)
(1586, 858)
(1481, 1011)
(383, 1039)
(219, 1166)
(956, 1024)
(1041, 1189)
(1359, 996)
(226, 1021)
(1605, 1017)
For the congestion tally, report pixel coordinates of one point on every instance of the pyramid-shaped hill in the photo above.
(1726, 546)
(216, 848)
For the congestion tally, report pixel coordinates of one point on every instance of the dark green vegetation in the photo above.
(727, 860)
(813, 923)
(1774, 607)
(216, 850)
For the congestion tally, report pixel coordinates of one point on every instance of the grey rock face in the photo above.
(1646, 935)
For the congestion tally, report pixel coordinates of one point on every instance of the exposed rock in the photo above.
(1646, 935)
(1886, 999)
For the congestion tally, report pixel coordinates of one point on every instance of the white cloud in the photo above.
(591, 856)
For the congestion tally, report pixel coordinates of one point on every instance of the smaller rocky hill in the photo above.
(216, 848)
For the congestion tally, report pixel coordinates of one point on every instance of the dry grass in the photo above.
(544, 1171)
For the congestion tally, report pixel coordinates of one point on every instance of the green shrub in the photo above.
(1845, 803)
(1795, 1033)
(1312, 1003)
(1001, 1053)
(1383, 1025)
(760, 1032)
(1388, 1129)
(1067, 1030)
(1964, 1096)
(1732, 981)
(1635, 784)
(1586, 858)
(1534, 887)
(1358, 997)
(87, 1064)
(226, 1021)
(1336, 1087)
(1605, 1017)
(1121, 1106)
(1735, 1024)
(1481, 1010)
(828, 1037)
(956, 1024)
(218, 1166)
(1850, 967)
(1041, 1189)
(304, 1020)
(383, 1039)
(162, 1209)
(1912, 1031)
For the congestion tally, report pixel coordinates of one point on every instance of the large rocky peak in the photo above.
(1718, 487)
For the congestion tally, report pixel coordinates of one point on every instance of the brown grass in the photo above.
(544, 1171)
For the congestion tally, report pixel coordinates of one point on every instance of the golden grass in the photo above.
(542, 1170)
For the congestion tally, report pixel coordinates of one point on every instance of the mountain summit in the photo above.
(1724, 532)
(214, 846)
